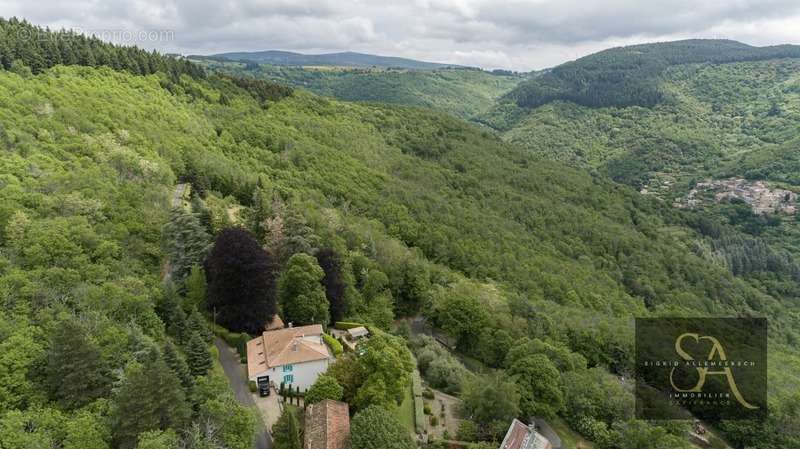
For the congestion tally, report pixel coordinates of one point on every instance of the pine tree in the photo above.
(196, 324)
(185, 241)
(198, 356)
(172, 314)
(286, 431)
(335, 287)
(178, 365)
(300, 237)
(75, 371)
(149, 397)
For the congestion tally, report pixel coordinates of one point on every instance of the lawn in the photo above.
(406, 410)
(569, 438)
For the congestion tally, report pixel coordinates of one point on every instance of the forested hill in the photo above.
(628, 76)
(344, 59)
(463, 92)
(422, 214)
(38, 49)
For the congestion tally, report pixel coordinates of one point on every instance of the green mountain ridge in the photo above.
(463, 92)
(629, 76)
(342, 59)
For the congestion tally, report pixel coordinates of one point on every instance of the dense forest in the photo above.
(630, 76)
(38, 49)
(343, 59)
(366, 212)
(464, 92)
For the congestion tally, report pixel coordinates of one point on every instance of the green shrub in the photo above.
(253, 386)
(426, 409)
(434, 421)
(428, 394)
(334, 344)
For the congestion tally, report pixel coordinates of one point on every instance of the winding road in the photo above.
(238, 380)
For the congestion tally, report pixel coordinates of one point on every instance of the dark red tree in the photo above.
(335, 287)
(241, 282)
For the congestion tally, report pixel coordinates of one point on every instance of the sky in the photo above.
(511, 34)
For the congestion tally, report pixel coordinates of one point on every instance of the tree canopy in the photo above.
(241, 282)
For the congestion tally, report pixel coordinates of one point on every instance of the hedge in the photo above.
(419, 413)
(333, 343)
(344, 325)
(236, 341)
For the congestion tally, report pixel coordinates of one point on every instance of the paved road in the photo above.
(238, 380)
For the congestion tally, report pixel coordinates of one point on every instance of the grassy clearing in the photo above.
(569, 438)
(405, 413)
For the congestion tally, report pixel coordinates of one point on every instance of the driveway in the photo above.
(238, 380)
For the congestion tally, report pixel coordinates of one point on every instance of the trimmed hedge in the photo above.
(345, 325)
(237, 341)
(419, 413)
(334, 344)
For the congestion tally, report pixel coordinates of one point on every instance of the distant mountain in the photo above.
(463, 92)
(628, 76)
(344, 59)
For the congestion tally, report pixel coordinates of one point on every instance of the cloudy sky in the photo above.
(515, 34)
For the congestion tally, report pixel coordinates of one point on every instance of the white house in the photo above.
(295, 356)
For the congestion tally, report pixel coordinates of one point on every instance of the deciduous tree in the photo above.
(377, 428)
(241, 282)
(301, 293)
(325, 387)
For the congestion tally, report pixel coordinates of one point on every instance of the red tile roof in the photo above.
(327, 425)
(285, 346)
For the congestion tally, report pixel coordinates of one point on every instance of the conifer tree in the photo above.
(197, 324)
(198, 356)
(75, 371)
(335, 287)
(286, 431)
(149, 397)
(172, 314)
(300, 237)
(178, 365)
(185, 241)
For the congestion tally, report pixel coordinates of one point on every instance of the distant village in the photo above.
(763, 199)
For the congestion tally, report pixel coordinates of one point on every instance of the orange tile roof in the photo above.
(283, 347)
(274, 324)
(327, 425)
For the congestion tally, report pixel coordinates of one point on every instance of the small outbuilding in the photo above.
(327, 425)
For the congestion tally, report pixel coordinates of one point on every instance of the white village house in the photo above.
(295, 356)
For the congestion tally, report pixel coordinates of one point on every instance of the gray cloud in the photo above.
(518, 34)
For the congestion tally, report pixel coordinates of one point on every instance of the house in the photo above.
(522, 436)
(327, 425)
(295, 356)
(275, 323)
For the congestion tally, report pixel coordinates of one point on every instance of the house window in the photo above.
(287, 368)
(288, 378)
